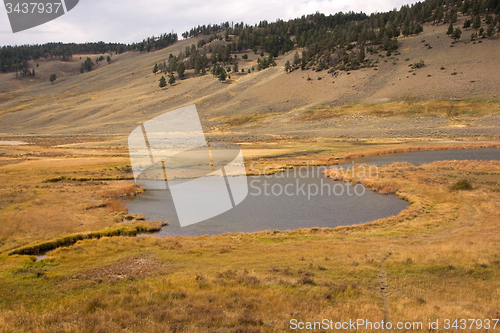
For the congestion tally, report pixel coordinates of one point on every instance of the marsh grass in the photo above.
(443, 259)
(117, 206)
(132, 230)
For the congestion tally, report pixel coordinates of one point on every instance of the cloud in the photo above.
(129, 21)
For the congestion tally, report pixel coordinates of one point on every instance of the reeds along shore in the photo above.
(72, 239)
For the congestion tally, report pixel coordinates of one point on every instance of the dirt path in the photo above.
(383, 289)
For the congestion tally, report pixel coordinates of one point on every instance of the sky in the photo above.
(128, 21)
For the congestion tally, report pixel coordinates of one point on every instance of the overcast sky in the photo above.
(129, 21)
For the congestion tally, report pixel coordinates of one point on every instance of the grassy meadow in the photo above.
(438, 259)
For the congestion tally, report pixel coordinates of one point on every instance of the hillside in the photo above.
(114, 98)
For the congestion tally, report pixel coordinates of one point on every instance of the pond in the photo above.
(295, 198)
(290, 199)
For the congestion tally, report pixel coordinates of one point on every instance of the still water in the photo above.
(296, 198)
(310, 200)
(421, 157)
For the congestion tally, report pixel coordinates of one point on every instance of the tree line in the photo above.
(330, 42)
(15, 58)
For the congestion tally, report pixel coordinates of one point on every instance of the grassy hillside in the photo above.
(113, 98)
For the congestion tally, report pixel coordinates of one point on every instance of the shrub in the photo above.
(419, 64)
(306, 279)
(462, 185)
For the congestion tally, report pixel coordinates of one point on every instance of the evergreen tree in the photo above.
(450, 30)
(361, 54)
(467, 24)
(222, 75)
(303, 63)
(171, 79)
(52, 78)
(477, 23)
(457, 34)
(163, 82)
(235, 67)
(180, 70)
(245, 56)
(419, 29)
(155, 68)
(87, 65)
(108, 59)
(491, 30)
(454, 17)
(406, 28)
(296, 59)
(489, 19)
(288, 67)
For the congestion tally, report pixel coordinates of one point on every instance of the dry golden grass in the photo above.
(119, 192)
(411, 148)
(116, 206)
(437, 259)
(455, 110)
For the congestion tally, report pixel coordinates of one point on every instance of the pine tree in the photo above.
(419, 29)
(171, 79)
(245, 56)
(222, 75)
(361, 54)
(489, 19)
(155, 68)
(52, 78)
(235, 67)
(287, 66)
(477, 23)
(180, 70)
(450, 30)
(406, 29)
(457, 34)
(296, 59)
(163, 82)
(491, 30)
(108, 59)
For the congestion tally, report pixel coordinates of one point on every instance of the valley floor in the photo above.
(438, 259)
